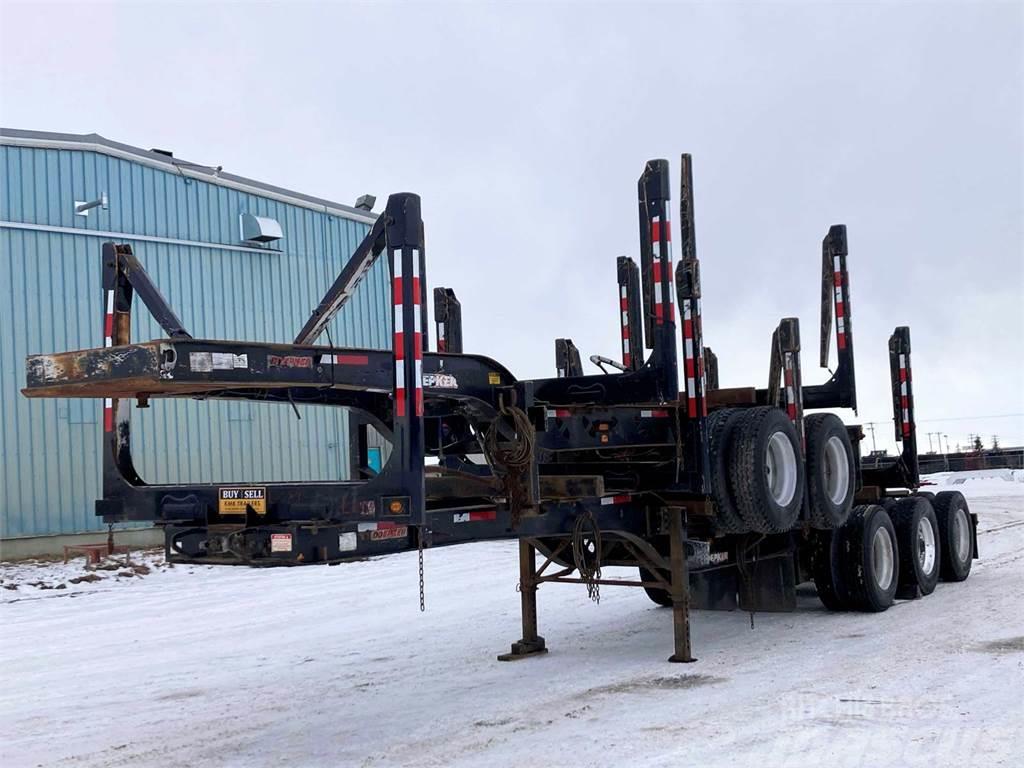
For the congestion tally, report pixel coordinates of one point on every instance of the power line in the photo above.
(959, 418)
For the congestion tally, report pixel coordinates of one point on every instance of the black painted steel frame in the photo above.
(628, 449)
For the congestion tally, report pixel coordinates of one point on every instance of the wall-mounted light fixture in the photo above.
(366, 202)
(82, 207)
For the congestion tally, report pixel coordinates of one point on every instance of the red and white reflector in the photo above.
(558, 413)
(382, 525)
(475, 517)
(620, 499)
(344, 360)
(654, 414)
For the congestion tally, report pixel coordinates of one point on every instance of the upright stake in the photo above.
(531, 643)
(656, 261)
(404, 234)
(680, 587)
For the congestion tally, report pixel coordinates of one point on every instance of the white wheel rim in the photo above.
(883, 558)
(961, 535)
(926, 546)
(780, 469)
(837, 470)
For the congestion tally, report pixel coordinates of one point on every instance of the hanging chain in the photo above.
(743, 566)
(423, 603)
(586, 553)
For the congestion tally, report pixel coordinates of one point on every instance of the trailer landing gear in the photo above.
(672, 576)
(531, 643)
(680, 589)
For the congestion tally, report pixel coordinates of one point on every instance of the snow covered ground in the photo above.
(336, 666)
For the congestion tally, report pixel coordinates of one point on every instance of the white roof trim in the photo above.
(183, 169)
(120, 236)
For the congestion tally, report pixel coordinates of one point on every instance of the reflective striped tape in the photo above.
(344, 360)
(108, 321)
(401, 363)
(905, 395)
(362, 527)
(398, 345)
(654, 414)
(790, 391)
(840, 305)
(558, 413)
(627, 358)
(690, 363)
(417, 334)
(475, 517)
(662, 282)
(621, 499)
(108, 341)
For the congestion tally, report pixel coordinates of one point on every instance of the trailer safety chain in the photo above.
(590, 571)
(514, 456)
(742, 565)
(423, 602)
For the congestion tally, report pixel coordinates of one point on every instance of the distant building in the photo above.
(237, 259)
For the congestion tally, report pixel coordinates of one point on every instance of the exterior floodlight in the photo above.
(366, 202)
(82, 208)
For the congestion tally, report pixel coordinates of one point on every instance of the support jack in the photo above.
(531, 643)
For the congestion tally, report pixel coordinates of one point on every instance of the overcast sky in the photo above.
(525, 127)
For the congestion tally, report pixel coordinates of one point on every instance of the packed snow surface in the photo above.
(150, 665)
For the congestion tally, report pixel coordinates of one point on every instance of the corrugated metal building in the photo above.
(183, 222)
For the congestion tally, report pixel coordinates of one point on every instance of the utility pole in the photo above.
(874, 448)
(930, 449)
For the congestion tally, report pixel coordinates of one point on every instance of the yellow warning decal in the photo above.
(235, 501)
(493, 378)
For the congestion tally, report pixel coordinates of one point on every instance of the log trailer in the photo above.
(720, 498)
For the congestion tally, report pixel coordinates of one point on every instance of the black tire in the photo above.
(956, 535)
(870, 584)
(768, 502)
(917, 536)
(658, 595)
(888, 503)
(831, 470)
(825, 569)
(721, 428)
(926, 495)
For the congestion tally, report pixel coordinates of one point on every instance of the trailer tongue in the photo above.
(626, 468)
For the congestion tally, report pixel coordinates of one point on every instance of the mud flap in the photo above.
(771, 586)
(714, 590)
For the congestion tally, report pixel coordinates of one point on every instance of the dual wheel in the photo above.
(758, 475)
(897, 549)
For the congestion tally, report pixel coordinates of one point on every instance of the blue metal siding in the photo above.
(50, 300)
